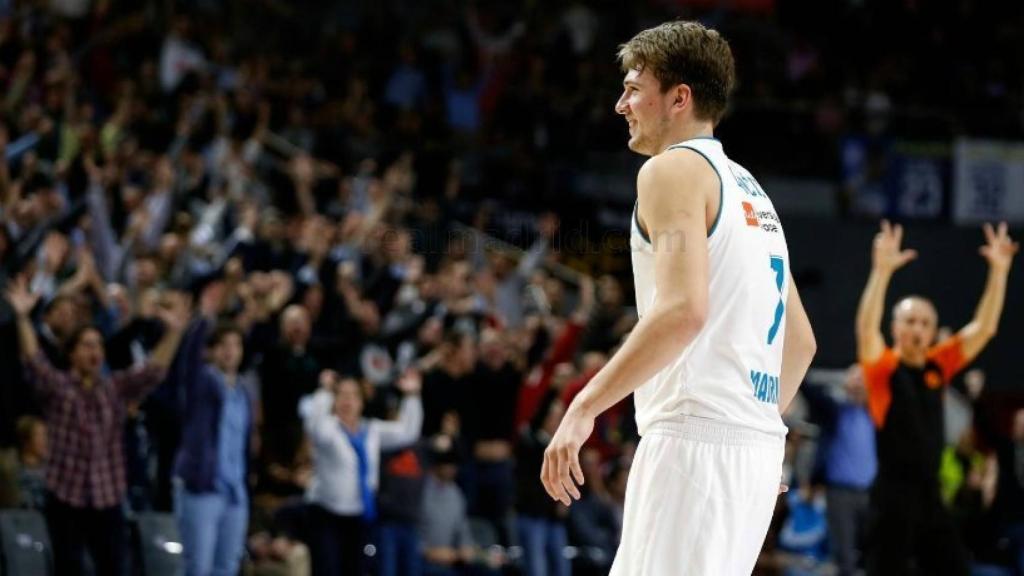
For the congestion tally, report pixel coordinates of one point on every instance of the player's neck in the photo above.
(687, 131)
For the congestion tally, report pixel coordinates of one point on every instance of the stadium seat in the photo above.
(157, 544)
(24, 543)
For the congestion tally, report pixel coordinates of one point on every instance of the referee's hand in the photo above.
(561, 472)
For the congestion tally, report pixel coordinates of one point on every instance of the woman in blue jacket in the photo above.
(211, 498)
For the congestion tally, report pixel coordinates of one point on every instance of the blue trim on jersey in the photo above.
(721, 183)
(636, 219)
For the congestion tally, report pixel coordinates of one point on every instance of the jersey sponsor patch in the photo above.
(749, 214)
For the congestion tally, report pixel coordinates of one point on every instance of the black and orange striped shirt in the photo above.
(905, 403)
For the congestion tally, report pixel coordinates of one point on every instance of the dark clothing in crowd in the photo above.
(911, 532)
(491, 393)
(74, 530)
(285, 377)
(203, 396)
(336, 542)
(399, 499)
(443, 394)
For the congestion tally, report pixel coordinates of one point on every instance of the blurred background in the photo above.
(438, 193)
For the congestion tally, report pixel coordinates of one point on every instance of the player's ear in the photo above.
(682, 96)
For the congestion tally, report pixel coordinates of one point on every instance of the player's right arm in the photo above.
(798, 348)
(673, 189)
(886, 258)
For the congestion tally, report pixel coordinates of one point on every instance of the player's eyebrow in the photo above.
(628, 83)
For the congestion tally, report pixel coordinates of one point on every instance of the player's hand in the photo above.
(562, 457)
(999, 248)
(887, 255)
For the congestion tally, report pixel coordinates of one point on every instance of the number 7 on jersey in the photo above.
(779, 267)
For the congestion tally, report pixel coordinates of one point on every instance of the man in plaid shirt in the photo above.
(85, 412)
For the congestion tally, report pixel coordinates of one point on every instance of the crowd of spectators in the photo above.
(238, 287)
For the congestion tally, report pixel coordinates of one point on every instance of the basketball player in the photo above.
(722, 342)
(911, 532)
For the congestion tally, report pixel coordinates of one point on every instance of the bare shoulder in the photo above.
(674, 177)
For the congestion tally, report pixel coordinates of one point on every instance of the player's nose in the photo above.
(620, 105)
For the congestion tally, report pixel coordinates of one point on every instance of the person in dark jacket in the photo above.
(541, 521)
(399, 499)
(211, 500)
(593, 524)
(1009, 495)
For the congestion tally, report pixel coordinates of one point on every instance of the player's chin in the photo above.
(636, 145)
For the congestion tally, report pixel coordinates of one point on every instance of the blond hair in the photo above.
(682, 52)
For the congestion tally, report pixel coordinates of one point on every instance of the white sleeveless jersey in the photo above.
(730, 372)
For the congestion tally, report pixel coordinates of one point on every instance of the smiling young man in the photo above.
(722, 342)
(912, 533)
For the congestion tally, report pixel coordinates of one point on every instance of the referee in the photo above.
(912, 534)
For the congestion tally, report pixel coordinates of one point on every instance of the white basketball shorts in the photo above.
(699, 500)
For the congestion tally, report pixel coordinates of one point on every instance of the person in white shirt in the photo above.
(346, 457)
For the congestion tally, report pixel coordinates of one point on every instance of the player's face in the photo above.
(646, 109)
(914, 325)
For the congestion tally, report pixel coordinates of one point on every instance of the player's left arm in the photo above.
(999, 250)
(673, 190)
(798, 347)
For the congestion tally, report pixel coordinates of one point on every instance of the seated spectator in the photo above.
(346, 456)
(32, 454)
(276, 556)
(444, 521)
(448, 547)
(22, 465)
